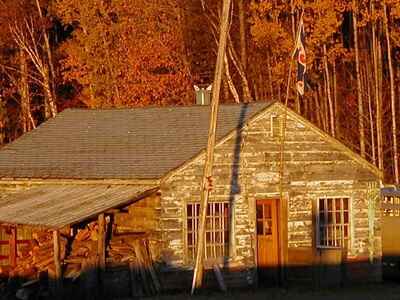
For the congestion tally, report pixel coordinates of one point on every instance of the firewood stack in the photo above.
(37, 255)
(134, 250)
(83, 250)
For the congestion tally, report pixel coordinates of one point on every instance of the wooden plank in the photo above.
(220, 279)
(13, 247)
(101, 242)
(142, 267)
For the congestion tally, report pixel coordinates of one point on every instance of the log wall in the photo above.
(247, 168)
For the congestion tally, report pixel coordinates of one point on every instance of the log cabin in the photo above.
(288, 204)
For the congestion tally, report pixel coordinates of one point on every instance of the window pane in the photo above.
(330, 218)
(267, 211)
(260, 225)
(321, 204)
(337, 206)
(259, 212)
(217, 209)
(346, 217)
(330, 206)
(338, 217)
(190, 239)
(190, 224)
(189, 210)
(345, 204)
(268, 227)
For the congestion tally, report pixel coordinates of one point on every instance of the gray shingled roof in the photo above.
(141, 143)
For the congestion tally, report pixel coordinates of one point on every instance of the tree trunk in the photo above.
(359, 95)
(242, 33)
(328, 90)
(317, 110)
(229, 80)
(379, 134)
(27, 122)
(236, 62)
(50, 71)
(371, 119)
(325, 116)
(271, 87)
(392, 96)
(335, 99)
(49, 105)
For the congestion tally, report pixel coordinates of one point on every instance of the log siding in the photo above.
(247, 169)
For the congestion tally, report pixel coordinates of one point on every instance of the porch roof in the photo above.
(55, 206)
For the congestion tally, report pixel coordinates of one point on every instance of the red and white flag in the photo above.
(300, 55)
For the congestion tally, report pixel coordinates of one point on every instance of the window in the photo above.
(333, 222)
(217, 229)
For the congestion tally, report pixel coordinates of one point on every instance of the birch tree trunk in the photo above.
(379, 135)
(359, 92)
(27, 122)
(370, 111)
(328, 93)
(50, 106)
(335, 100)
(392, 96)
(229, 81)
(242, 33)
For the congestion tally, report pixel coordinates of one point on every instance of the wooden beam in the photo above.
(57, 262)
(205, 186)
(13, 246)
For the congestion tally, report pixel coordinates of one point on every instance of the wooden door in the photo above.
(267, 241)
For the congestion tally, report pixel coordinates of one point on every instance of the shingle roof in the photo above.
(58, 205)
(141, 143)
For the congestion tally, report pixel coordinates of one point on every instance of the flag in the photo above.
(300, 55)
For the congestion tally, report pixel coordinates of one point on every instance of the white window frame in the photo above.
(226, 225)
(317, 225)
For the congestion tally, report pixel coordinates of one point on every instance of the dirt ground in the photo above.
(384, 291)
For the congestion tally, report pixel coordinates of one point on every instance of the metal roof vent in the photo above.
(203, 94)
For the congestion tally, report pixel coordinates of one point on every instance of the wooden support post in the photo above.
(101, 251)
(57, 263)
(101, 243)
(205, 187)
(13, 247)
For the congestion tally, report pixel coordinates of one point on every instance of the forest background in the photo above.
(56, 54)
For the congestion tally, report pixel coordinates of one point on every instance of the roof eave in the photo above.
(116, 181)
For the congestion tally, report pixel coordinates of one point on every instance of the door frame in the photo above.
(282, 224)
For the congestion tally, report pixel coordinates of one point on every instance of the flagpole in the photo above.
(283, 135)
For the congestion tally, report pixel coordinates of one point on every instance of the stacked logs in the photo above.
(83, 250)
(37, 255)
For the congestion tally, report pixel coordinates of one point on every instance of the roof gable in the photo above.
(290, 113)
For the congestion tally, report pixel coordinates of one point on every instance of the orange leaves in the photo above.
(124, 54)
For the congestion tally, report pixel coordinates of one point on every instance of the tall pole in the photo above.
(205, 187)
